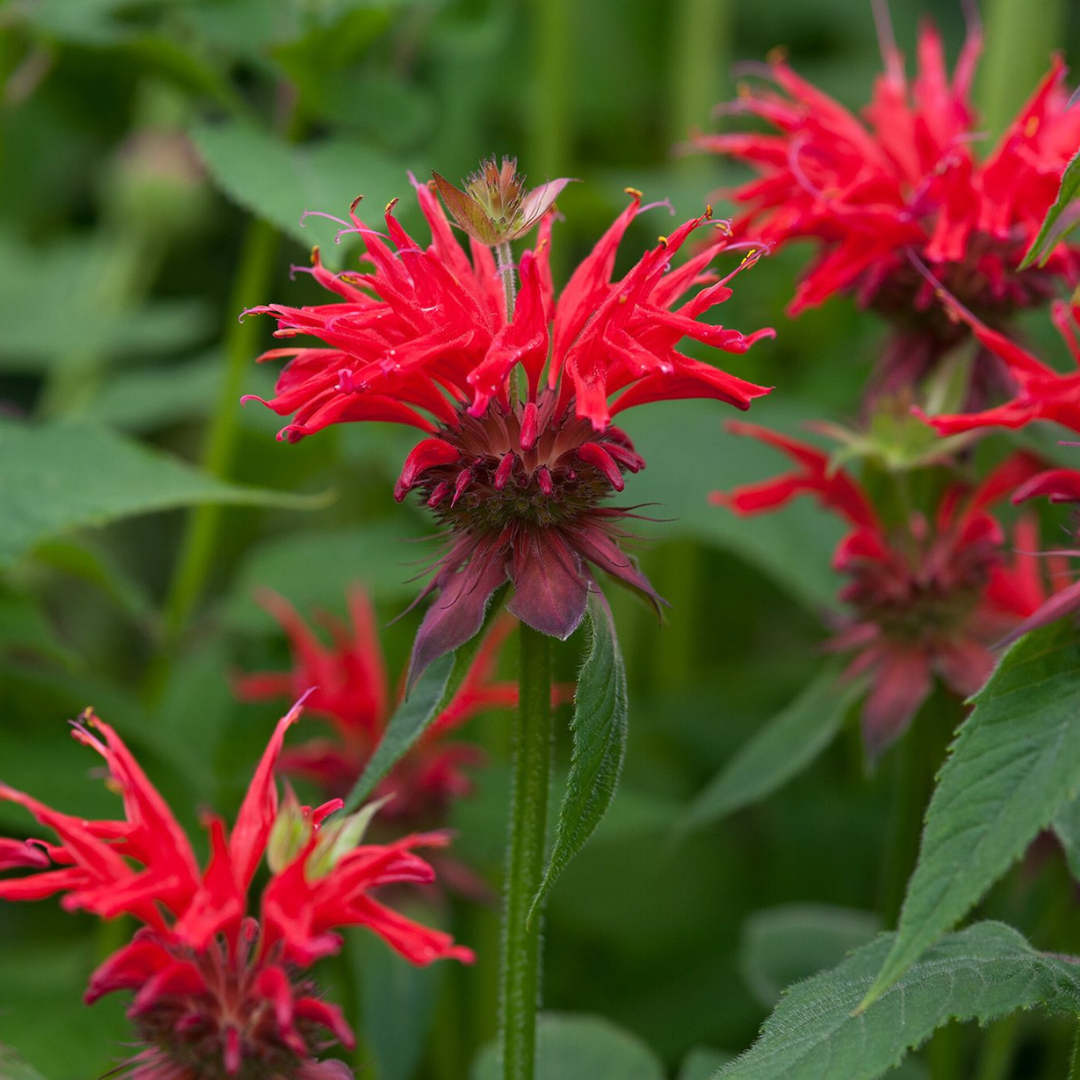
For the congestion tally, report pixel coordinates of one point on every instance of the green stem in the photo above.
(531, 770)
(1074, 1062)
(921, 752)
(197, 547)
(998, 1049)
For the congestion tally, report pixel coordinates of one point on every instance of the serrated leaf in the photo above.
(1070, 187)
(784, 945)
(979, 974)
(598, 728)
(782, 748)
(571, 1047)
(278, 181)
(60, 476)
(1014, 764)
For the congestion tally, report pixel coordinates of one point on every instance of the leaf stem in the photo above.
(531, 777)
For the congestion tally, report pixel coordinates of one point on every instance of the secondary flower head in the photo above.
(516, 472)
(218, 994)
(352, 692)
(906, 180)
(924, 597)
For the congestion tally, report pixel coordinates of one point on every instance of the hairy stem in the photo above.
(531, 753)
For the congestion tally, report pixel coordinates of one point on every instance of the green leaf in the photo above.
(981, 973)
(781, 749)
(61, 476)
(1045, 242)
(1014, 764)
(278, 181)
(578, 1047)
(24, 629)
(702, 1063)
(93, 326)
(784, 945)
(397, 1000)
(1066, 826)
(425, 703)
(413, 717)
(686, 440)
(598, 728)
(315, 569)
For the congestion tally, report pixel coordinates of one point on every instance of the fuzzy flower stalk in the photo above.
(905, 187)
(928, 595)
(219, 994)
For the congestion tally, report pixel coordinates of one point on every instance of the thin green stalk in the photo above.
(1074, 1063)
(700, 56)
(531, 773)
(921, 753)
(1020, 35)
(199, 541)
(504, 262)
(998, 1049)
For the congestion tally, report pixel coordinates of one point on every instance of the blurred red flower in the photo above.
(927, 597)
(352, 692)
(515, 472)
(907, 182)
(218, 993)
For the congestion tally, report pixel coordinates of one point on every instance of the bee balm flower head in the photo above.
(519, 451)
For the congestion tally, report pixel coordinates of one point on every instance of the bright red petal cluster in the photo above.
(907, 180)
(218, 994)
(423, 335)
(928, 597)
(352, 692)
(516, 474)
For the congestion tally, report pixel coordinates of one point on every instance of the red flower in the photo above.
(423, 339)
(218, 994)
(907, 180)
(1041, 392)
(351, 691)
(926, 597)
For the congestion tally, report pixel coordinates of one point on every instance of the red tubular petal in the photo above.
(425, 455)
(598, 457)
(1058, 485)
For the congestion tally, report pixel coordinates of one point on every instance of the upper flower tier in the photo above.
(422, 335)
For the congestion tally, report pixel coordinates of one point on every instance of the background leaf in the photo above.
(1015, 762)
(573, 1047)
(782, 748)
(981, 973)
(279, 181)
(598, 728)
(61, 476)
(787, 944)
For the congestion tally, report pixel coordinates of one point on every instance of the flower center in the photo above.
(522, 466)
